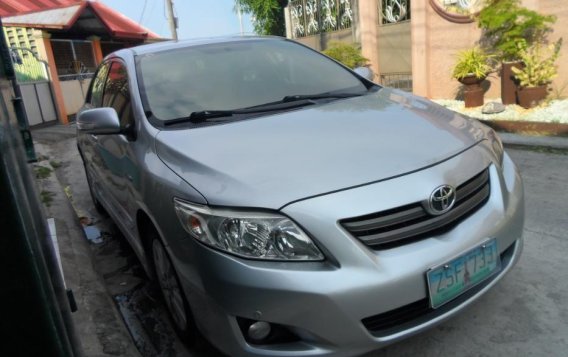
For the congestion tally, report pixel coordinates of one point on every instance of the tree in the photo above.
(505, 23)
(268, 15)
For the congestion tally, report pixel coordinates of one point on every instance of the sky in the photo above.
(196, 18)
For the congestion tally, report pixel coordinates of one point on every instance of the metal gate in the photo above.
(395, 44)
(32, 78)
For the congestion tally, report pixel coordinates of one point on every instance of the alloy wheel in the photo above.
(169, 285)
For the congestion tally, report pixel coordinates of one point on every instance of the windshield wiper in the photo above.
(289, 101)
(205, 115)
(201, 116)
(293, 98)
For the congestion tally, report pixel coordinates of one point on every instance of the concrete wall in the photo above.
(321, 41)
(428, 44)
(560, 9)
(435, 42)
(74, 93)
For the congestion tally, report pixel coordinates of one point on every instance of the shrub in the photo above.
(506, 23)
(348, 54)
(539, 68)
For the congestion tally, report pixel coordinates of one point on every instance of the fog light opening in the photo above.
(259, 330)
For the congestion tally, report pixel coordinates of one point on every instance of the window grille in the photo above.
(312, 17)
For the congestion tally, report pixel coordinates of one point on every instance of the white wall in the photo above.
(74, 93)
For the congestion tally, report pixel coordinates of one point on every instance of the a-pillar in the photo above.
(420, 48)
(96, 41)
(55, 84)
(369, 33)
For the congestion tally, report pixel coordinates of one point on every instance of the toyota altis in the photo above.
(287, 205)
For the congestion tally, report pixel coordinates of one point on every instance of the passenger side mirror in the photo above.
(99, 121)
(364, 72)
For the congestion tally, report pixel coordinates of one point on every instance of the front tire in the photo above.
(98, 206)
(173, 294)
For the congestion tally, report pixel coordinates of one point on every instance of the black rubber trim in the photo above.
(412, 221)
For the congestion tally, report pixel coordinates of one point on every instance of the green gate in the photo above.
(32, 78)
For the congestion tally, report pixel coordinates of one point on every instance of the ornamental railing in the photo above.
(399, 80)
(312, 17)
(393, 11)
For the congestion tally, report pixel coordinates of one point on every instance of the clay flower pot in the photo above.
(471, 80)
(508, 82)
(530, 97)
(473, 93)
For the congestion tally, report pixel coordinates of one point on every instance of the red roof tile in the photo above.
(117, 24)
(17, 7)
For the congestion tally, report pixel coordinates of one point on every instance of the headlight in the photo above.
(497, 146)
(249, 235)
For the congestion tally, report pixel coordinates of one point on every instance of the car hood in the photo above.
(273, 160)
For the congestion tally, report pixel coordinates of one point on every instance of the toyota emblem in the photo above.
(442, 200)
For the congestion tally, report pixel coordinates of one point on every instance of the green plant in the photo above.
(268, 15)
(46, 197)
(507, 22)
(538, 60)
(42, 172)
(346, 53)
(474, 62)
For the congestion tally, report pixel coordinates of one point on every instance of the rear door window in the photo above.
(117, 94)
(97, 87)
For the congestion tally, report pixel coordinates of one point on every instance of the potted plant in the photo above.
(537, 72)
(506, 23)
(471, 68)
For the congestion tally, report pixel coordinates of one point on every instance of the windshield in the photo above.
(242, 74)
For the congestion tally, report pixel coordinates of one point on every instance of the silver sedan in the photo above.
(289, 206)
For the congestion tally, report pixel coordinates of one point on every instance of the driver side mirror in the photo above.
(99, 121)
(364, 72)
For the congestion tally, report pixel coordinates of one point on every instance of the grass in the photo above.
(46, 197)
(42, 172)
(55, 164)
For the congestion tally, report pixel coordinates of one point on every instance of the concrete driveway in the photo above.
(525, 315)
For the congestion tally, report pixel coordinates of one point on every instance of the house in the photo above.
(71, 37)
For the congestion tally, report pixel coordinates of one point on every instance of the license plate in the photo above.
(449, 280)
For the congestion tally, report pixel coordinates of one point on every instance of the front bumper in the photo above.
(325, 303)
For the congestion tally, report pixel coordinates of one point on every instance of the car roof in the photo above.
(169, 45)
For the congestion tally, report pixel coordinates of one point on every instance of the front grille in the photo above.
(411, 222)
(415, 313)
